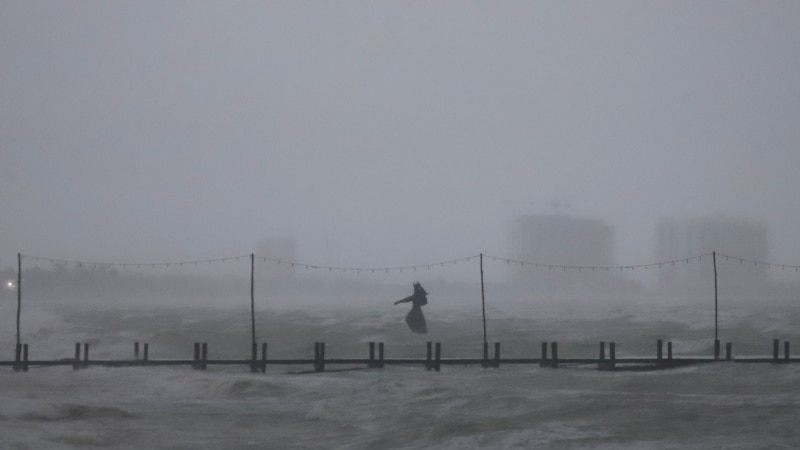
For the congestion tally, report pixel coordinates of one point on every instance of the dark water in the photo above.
(724, 405)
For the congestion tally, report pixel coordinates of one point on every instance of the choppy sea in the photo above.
(721, 405)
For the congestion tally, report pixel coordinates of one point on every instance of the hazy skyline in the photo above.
(389, 133)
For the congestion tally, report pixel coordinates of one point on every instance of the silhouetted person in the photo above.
(415, 319)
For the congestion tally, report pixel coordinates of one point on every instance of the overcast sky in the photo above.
(389, 133)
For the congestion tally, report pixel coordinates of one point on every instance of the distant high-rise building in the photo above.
(683, 238)
(558, 240)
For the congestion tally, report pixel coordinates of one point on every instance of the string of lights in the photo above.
(134, 265)
(427, 266)
(367, 269)
(759, 263)
(600, 268)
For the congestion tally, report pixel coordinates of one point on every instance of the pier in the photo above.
(433, 360)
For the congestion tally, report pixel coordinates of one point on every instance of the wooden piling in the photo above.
(543, 361)
(77, 366)
(17, 357)
(254, 357)
(612, 353)
(204, 356)
(437, 365)
(554, 351)
(85, 355)
(728, 351)
(485, 362)
(669, 350)
(785, 351)
(24, 357)
(716, 349)
(135, 351)
(775, 345)
(429, 356)
(146, 353)
(196, 363)
(263, 357)
(602, 351)
(496, 355)
(322, 356)
(371, 363)
(380, 355)
(659, 350)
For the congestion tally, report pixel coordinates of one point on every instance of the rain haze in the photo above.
(392, 133)
(311, 161)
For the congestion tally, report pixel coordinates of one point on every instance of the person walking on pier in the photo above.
(415, 319)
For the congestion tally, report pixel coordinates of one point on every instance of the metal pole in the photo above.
(716, 302)
(252, 300)
(19, 292)
(483, 307)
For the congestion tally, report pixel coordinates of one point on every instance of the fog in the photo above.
(389, 134)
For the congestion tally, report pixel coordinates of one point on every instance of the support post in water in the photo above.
(612, 353)
(554, 351)
(135, 351)
(76, 366)
(85, 355)
(17, 357)
(429, 355)
(659, 350)
(728, 351)
(371, 363)
(204, 356)
(716, 349)
(496, 355)
(543, 361)
(669, 350)
(775, 344)
(437, 366)
(380, 355)
(196, 363)
(253, 357)
(485, 362)
(146, 353)
(24, 357)
(264, 357)
(785, 351)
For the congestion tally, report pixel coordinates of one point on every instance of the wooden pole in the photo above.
(204, 356)
(554, 351)
(146, 353)
(728, 351)
(437, 363)
(483, 308)
(785, 351)
(24, 357)
(380, 355)
(19, 293)
(612, 353)
(659, 349)
(135, 351)
(775, 345)
(496, 354)
(669, 350)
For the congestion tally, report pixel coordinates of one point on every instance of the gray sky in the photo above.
(388, 133)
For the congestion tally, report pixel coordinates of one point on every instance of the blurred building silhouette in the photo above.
(560, 240)
(681, 238)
